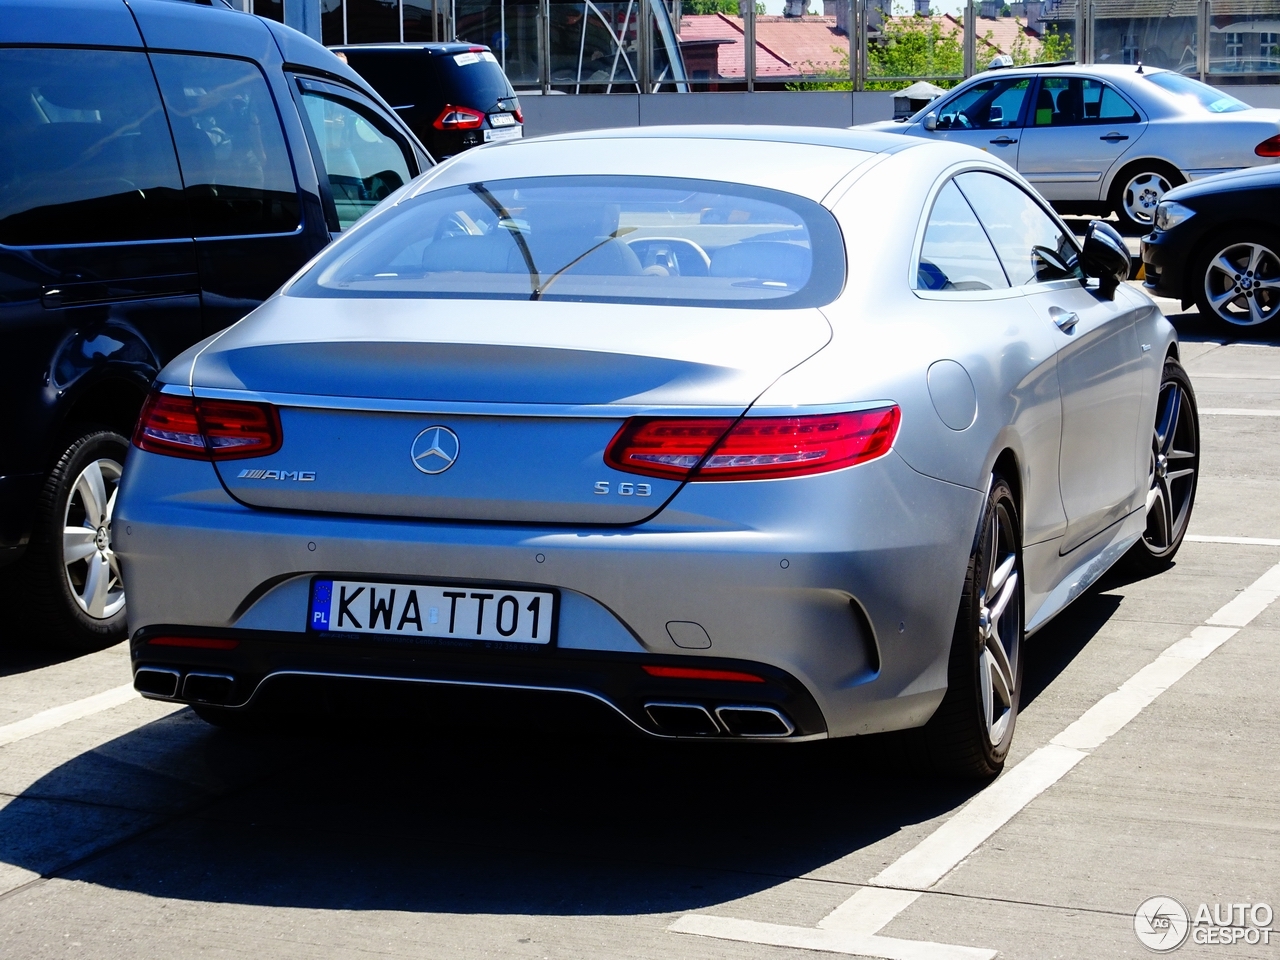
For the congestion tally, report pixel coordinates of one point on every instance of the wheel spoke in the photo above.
(1255, 254)
(96, 586)
(1168, 424)
(1255, 310)
(996, 610)
(111, 504)
(93, 493)
(1156, 512)
(1001, 674)
(114, 563)
(1166, 510)
(77, 543)
(1173, 475)
(1227, 267)
(1002, 572)
(986, 670)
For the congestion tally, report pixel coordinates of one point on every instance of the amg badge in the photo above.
(300, 475)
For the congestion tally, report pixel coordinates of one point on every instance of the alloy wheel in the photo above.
(1000, 627)
(1142, 195)
(1242, 284)
(1172, 475)
(90, 564)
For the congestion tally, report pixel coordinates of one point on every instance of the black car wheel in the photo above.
(971, 731)
(71, 570)
(1239, 281)
(1175, 466)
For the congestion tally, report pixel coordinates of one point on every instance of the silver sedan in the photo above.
(763, 456)
(1101, 137)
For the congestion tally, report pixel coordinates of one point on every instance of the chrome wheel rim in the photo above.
(999, 627)
(1172, 474)
(90, 565)
(1242, 284)
(1143, 194)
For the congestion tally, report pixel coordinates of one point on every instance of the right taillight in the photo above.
(1269, 147)
(458, 118)
(202, 429)
(752, 448)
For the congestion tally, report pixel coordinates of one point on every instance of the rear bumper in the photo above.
(842, 588)
(261, 665)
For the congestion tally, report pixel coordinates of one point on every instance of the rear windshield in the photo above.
(601, 239)
(1213, 100)
(472, 79)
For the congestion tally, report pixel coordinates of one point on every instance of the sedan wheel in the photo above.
(71, 568)
(1171, 478)
(971, 732)
(1139, 198)
(1241, 284)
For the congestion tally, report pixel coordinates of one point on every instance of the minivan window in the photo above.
(86, 155)
(363, 163)
(609, 239)
(237, 170)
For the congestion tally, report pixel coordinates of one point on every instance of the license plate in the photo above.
(436, 611)
(506, 133)
(502, 119)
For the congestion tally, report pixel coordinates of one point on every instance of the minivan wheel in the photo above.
(970, 734)
(72, 571)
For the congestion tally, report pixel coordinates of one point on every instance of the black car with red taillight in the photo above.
(452, 95)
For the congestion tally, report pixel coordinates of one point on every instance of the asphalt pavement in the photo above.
(1144, 765)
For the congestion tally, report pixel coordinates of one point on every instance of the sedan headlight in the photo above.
(1170, 213)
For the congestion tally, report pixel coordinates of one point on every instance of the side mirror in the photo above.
(931, 122)
(1105, 256)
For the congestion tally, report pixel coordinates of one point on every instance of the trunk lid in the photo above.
(481, 409)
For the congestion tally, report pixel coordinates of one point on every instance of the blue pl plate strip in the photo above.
(321, 599)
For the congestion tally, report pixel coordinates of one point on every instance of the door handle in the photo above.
(1114, 137)
(1064, 320)
(1004, 141)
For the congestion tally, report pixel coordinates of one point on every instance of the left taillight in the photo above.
(458, 118)
(202, 429)
(753, 448)
(1269, 147)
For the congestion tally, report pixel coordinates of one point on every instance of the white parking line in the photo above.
(1242, 541)
(853, 926)
(1238, 412)
(57, 716)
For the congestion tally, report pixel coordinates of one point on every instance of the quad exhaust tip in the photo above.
(195, 687)
(694, 720)
(157, 681)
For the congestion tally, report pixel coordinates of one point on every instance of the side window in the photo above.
(1072, 101)
(1031, 246)
(238, 175)
(363, 162)
(86, 155)
(991, 105)
(956, 254)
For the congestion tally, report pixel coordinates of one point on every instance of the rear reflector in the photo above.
(1269, 147)
(693, 673)
(753, 448)
(207, 429)
(199, 643)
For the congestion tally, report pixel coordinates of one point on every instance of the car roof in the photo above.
(432, 48)
(1097, 69)
(865, 141)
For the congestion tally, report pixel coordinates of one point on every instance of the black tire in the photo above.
(54, 585)
(1255, 311)
(1175, 469)
(970, 734)
(1138, 188)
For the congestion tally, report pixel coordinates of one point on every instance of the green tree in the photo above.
(913, 47)
(710, 6)
(1054, 46)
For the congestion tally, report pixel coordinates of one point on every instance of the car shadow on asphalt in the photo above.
(466, 804)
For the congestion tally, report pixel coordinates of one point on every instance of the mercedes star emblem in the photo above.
(435, 450)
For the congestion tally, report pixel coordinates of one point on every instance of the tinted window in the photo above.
(472, 79)
(86, 154)
(990, 105)
(956, 254)
(1031, 246)
(363, 163)
(1197, 93)
(1073, 101)
(607, 239)
(234, 161)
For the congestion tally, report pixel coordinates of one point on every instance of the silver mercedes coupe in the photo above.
(797, 438)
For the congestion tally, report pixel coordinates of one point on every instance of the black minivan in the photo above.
(452, 95)
(164, 167)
